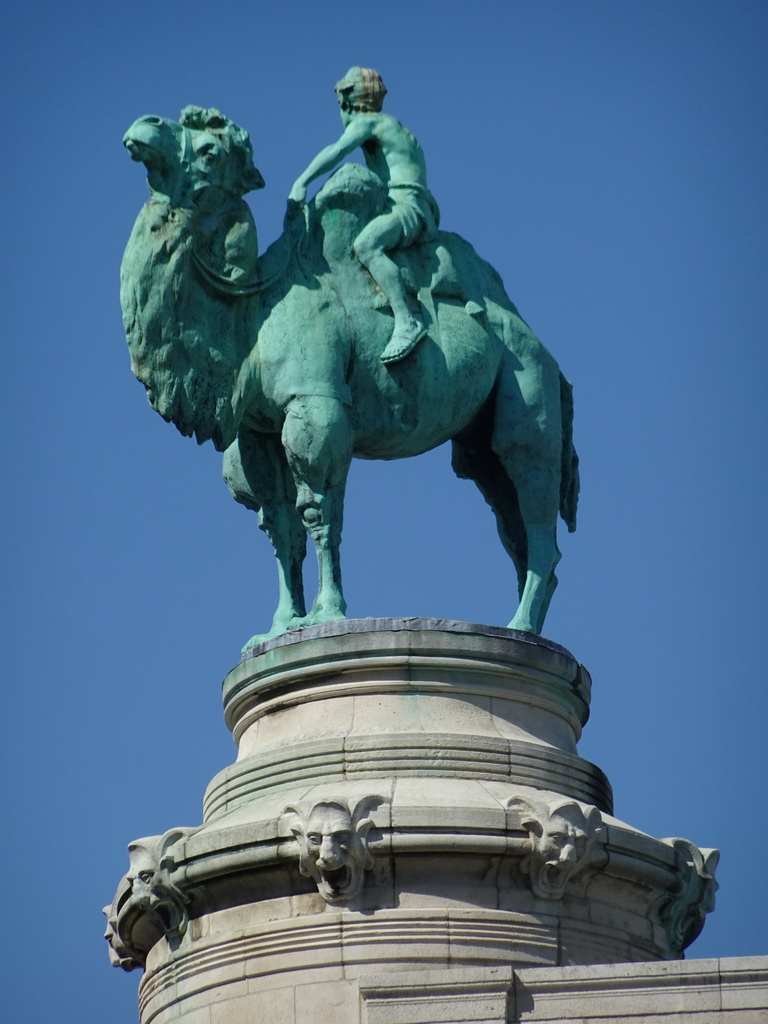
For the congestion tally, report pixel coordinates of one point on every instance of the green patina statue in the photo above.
(290, 363)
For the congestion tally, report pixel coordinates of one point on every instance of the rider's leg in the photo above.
(371, 245)
(317, 439)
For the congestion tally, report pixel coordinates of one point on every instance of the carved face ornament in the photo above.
(561, 837)
(559, 842)
(333, 850)
(330, 841)
(151, 889)
(559, 849)
(146, 894)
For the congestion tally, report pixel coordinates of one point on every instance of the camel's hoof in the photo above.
(524, 626)
(260, 638)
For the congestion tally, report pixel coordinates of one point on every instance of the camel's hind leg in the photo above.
(527, 438)
(318, 445)
(541, 581)
(473, 459)
(257, 474)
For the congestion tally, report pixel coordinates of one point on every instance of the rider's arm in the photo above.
(356, 133)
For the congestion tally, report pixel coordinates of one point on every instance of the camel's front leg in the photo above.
(317, 438)
(258, 476)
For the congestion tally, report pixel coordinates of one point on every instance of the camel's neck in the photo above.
(187, 343)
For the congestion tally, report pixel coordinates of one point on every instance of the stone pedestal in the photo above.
(407, 802)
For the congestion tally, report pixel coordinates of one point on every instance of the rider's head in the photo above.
(361, 89)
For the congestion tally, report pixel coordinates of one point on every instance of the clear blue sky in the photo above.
(609, 158)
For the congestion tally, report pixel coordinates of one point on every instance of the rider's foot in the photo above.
(404, 340)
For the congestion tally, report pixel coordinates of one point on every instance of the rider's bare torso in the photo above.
(390, 151)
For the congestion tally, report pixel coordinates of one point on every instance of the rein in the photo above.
(256, 283)
(234, 289)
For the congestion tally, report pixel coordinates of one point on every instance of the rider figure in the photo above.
(392, 153)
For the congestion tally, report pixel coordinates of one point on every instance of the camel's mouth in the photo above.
(139, 151)
(143, 152)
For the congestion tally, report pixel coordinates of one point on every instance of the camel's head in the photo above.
(159, 144)
(203, 151)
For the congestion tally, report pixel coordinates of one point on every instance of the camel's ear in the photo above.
(252, 179)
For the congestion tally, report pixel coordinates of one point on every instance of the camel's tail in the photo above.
(569, 469)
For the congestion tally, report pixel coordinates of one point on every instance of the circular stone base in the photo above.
(407, 795)
(398, 698)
